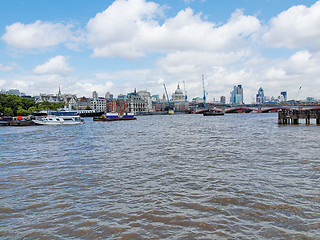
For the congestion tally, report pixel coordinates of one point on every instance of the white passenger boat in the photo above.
(59, 118)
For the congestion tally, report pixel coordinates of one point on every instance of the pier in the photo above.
(292, 116)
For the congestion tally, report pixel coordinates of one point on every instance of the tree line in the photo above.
(12, 105)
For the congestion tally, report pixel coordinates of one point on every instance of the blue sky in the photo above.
(120, 45)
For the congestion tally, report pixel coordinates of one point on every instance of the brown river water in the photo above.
(237, 176)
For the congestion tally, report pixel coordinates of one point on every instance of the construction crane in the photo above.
(165, 89)
(204, 93)
(185, 92)
(170, 110)
(299, 93)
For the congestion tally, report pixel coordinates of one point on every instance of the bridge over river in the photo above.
(258, 109)
(286, 114)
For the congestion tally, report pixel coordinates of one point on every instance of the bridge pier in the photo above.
(288, 116)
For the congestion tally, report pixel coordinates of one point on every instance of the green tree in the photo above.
(32, 109)
(8, 111)
(43, 107)
(28, 102)
(49, 106)
(21, 112)
(14, 103)
(88, 108)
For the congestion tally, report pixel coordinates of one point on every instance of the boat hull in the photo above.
(213, 113)
(16, 121)
(39, 122)
(101, 119)
(21, 123)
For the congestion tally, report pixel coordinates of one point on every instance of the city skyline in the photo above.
(116, 46)
(236, 96)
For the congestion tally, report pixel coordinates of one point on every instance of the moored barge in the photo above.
(115, 117)
(16, 121)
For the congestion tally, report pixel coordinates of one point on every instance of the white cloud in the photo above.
(23, 83)
(228, 54)
(302, 62)
(38, 35)
(55, 65)
(127, 80)
(300, 69)
(112, 32)
(128, 75)
(275, 74)
(196, 61)
(5, 68)
(49, 84)
(86, 88)
(298, 27)
(130, 29)
(179, 48)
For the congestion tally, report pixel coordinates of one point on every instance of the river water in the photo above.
(237, 176)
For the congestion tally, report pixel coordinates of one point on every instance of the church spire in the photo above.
(59, 93)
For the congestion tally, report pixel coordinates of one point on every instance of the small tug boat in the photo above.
(115, 117)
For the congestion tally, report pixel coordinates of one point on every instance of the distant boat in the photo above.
(16, 121)
(4, 121)
(170, 111)
(201, 111)
(213, 113)
(115, 117)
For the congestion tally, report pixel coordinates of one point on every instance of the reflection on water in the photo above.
(237, 176)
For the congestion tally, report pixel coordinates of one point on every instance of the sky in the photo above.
(117, 46)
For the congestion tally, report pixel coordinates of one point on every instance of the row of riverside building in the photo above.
(135, 102)
(143, 101)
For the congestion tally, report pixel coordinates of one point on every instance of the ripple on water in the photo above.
(161, 177)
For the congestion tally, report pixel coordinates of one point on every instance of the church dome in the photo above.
(178, 91)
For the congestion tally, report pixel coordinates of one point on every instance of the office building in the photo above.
(260, 96)
(284, 94)
(237, 95)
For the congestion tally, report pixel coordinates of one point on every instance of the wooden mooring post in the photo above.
(290, 116)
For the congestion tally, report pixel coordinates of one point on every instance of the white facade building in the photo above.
(99, 104)
(146, 96)
(135, 103)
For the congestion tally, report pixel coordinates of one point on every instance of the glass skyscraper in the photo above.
(237, 95)
(260, 96)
